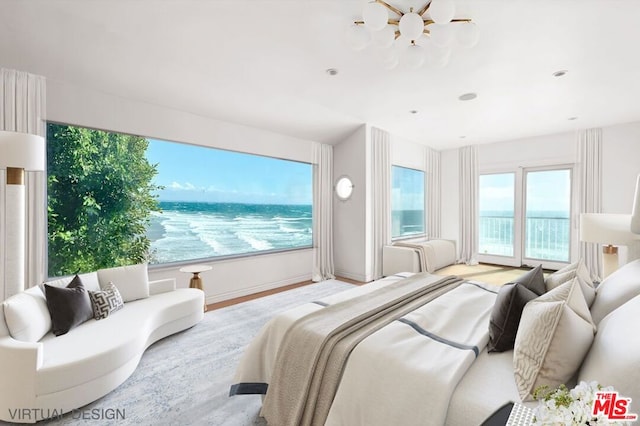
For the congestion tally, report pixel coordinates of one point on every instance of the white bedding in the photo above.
(399, 375)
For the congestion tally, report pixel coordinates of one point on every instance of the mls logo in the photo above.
(613, 406)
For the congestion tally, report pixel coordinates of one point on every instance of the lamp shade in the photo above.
(606, 228)
(22, 150)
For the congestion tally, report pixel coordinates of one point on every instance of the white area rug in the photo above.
(184, 379)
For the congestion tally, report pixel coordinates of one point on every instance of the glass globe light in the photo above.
(442, 35)
(468, 34)
(358, 37)
(413, 57)
(375, 16)
(385, 37)
(442, 11)
(411, 25)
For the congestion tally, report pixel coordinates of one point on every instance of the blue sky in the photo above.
(546, 191)
(195, 173)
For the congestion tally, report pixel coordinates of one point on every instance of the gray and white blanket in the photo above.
(384, 353)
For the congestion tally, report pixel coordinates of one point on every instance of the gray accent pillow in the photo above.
(106, 301)
(507, 310)
(69, 307)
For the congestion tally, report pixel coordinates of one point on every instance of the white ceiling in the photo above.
(262, 63)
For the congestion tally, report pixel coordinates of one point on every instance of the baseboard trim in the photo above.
(234, 294)
(356, 277)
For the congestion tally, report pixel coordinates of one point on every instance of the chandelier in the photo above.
(414, 37)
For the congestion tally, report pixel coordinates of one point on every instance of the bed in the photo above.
(425, 361)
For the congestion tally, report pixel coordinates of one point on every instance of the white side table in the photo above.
(196, 281)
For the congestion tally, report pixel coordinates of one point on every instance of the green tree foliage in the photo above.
(101, 196)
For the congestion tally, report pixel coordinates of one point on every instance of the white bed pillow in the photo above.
(553, 338)
(27, 315)
(131, 281)
(614, 357)
(617, 289)
(569, 272)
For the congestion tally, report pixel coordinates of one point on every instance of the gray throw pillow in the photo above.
(69, 307)
(507, 310)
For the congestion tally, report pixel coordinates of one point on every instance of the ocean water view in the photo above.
(196, 230)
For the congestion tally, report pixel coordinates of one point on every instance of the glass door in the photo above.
(525, 217)
(499, 221)
(547, 222)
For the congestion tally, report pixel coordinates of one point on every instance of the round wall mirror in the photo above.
(344, 188)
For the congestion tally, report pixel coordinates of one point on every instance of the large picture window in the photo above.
(407, 202)
(117, 199)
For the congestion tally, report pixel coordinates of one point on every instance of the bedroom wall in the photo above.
(350, 216)
(621, 149)
(229, 278)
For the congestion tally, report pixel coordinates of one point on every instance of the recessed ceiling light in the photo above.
(331, 71)
(560, 73)
(413, 111)
(462, 137)
(468, 96)
(572, 118)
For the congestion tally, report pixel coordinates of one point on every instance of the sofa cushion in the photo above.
(569, 272)
(613, 357)
(106, 301)
(89, 280)
(618, 288)
(510, 302)
(554, 336)
(69, 307)
(27, 315)
(132, 281)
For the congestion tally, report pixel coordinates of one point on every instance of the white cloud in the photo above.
(183, 187)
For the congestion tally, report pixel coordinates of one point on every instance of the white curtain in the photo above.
(590, 161)
(432, 185)
(22, 109)
(468, 163)
(322, 212)
(380, 196)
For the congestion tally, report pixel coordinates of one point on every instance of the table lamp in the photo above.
(18, 152)
(611, 230)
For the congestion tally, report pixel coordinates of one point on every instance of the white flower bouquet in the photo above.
(564, 407)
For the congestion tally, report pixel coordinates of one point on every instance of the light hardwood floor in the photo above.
(493, 274)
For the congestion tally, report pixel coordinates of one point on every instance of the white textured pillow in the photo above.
(617, 289)
(569, 272)
(613, 357)
(132, 281)
(27, 315)
(554, 335)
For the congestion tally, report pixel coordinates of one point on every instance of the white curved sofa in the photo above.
(58, 374)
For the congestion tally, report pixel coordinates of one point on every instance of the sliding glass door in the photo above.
(524, 217)
(547, 220)
(497, 224)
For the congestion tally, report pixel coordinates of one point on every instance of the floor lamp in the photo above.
(611, 230)
(18, 152)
